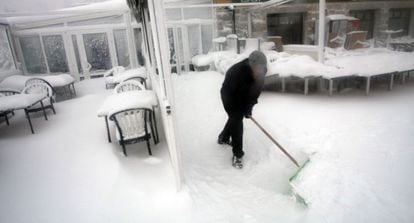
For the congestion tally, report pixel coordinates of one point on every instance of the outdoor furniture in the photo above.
(387, 78)
(111, 73)
(133, 126)
(131, 85)
(113, 78)
(4, 93)
(129, 100)
(62, 84)
(39, 87)
(22, 101)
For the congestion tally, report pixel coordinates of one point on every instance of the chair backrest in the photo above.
(131, 123)
(39, 80)
(7, 93)
(117, 70)
(38, 88)
(131, 85)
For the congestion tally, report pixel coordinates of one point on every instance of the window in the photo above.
(138, 46)
(287, 25)
(121, 46)
(33, 55)
(400, 19)
(97, 51)
(55, 53)
(6, 56)
(367, 20)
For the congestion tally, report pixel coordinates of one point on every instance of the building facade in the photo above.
(296, 20)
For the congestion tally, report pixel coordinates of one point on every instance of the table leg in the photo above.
(306, 90)
(107, 129)
(28, 118)
(283, 84)
(330, 87)
(43, 109)
(391, 82)
(367, 87)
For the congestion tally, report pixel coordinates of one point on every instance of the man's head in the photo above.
(258, 63)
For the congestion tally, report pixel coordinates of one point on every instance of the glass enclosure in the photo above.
(55, 53)
(6, 56)
(97, 51)
(34, 59)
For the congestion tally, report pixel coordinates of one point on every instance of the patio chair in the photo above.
(141, 80)
(133, 126)
(112, 72)
(4, 93)
(40, 80)
(47, 103)
(131, 85)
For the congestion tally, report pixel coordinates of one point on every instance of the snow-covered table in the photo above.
(22, 101)
(139, 73)
(59, 81)
(127, 100)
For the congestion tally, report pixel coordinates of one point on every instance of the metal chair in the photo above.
(47, 103)
(112, 72)
(131, 85)
(5, 93)
(141, 80)
(133, 126)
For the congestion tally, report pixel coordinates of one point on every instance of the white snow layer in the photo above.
(361, 171)
(339, 62)
(17, 82)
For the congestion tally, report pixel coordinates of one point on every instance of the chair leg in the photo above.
(53, 107)
(28, 119)
(155, 126)
(152, 130)
(124, 149)
(43, 109)
(149, 146)
(7, 119)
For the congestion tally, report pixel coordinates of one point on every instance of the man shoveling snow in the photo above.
(241, 87)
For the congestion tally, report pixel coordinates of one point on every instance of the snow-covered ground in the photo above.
(68, 172)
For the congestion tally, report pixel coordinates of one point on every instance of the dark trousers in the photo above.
(234, 129)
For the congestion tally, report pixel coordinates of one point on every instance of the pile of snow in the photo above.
(17, 82)
(219, 40)
(300, 65)
(19, 101)
(404, 39)
(368, 62)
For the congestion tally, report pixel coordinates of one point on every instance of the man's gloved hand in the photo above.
(248, 116)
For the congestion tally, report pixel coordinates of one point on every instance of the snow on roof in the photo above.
(100, 7)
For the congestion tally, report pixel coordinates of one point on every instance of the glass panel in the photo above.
(197, 13)
(55, 53)
(138, 46)
(121, 45)
(180, 47)
(98, 21)
(207, 37)
(173, 56)
(33, 55)
(6, 57)
(97, 51)
(76, 49)
(173, 14)
(194, 39)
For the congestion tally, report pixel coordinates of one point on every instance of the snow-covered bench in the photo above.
(117, 75)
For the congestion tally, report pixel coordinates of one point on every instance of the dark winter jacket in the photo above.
(240, 90)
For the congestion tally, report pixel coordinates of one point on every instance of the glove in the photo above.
(248, 113)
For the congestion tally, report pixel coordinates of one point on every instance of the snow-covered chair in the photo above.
(47, 103)
(112, 72)
(36, 80)
(131, 85)
(133, 126)
(5, 93)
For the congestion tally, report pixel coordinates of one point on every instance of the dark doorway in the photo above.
(287, 25)
(367, 18)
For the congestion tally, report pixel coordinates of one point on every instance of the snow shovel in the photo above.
(300, 167)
